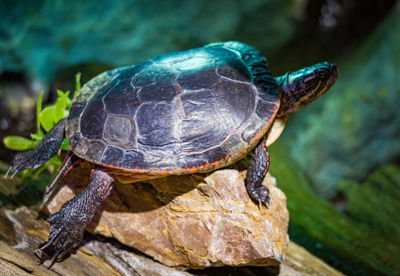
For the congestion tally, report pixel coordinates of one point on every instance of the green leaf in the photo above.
(36, 137)
(65, 144)
(26, 173)
(77, 84)
(38, 111)
(69, 103)
(61, 105)
(18, 143)
(48, 117)
(60, 93)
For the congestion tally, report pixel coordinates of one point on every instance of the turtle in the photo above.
(180, 113)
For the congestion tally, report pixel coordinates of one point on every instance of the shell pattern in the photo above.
(178, 113)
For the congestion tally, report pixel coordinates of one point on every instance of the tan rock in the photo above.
(22, 232)
(192, 221)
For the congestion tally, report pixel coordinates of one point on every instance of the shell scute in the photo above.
(93, 118)
(133, 159)
(112, 156)
(201, 126)
(157, 130)
(205, 79)
(124, 135)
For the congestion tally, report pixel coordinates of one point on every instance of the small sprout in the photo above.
(39, 132)
(45, 118)
(77, 84)
(61, 105)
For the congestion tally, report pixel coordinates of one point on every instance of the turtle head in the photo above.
(301, 87)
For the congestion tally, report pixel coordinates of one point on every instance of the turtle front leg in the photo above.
(45, 149)
(68, 224)
(255, 175)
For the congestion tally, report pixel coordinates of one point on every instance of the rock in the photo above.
(129, 263)
(191, 221)
(39, 39)
(22, 232)
(354, 128)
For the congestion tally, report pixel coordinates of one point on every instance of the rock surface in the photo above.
(202, 221)
(21, 232)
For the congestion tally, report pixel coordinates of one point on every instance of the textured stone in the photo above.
(21, 233)
(192, 221)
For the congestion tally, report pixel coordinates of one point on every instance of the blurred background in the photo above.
(337, 160)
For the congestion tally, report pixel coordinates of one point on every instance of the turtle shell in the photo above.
(178, 113)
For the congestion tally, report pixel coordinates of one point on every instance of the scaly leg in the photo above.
(255, 175)
(68, 224)
(44, 150)
(70, 161)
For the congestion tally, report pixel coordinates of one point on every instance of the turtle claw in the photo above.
(65, 233)
(58, 255)
(53, 236)
(261, 204)
(54, 259)
(7, 172)
(14, 173)
(22, 161)
(261, 195)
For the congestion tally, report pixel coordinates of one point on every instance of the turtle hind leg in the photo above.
(255, 175)
(45, 149)
(70, 161)
(68, 224)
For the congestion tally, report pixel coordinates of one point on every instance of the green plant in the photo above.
(45, 118)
